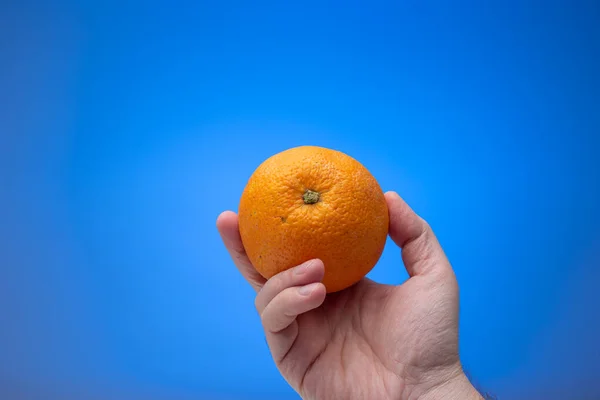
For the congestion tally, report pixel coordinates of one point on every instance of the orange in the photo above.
(312, 202)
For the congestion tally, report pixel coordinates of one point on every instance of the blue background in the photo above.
(126, 128)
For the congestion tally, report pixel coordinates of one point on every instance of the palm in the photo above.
(355, 330)
(369, 341)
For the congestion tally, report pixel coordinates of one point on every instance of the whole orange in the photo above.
(312, 202)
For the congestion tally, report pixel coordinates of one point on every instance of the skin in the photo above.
(370, 341)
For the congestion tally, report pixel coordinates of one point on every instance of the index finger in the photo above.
(228, 226)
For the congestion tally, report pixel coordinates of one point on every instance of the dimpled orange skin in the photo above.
(346, 228)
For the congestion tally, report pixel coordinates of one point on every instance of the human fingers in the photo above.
(421, 251)
(228, 227)
(308, 272)
(283, 298)
(286, 306)
(279, 319)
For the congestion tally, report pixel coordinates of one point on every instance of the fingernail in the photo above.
(302, 268)
(307, 289)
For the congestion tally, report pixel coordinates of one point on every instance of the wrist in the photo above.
(450, 385)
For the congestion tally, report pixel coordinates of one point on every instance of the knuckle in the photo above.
(257, 302)
(277, 288)
(266, 323)
(263, 317)
(282, 280)
(272, 317)
(261, 299)
(425, 225)
(278, 281)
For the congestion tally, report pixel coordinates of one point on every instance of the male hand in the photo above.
(370, 341)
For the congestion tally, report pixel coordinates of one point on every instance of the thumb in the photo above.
(421, 251)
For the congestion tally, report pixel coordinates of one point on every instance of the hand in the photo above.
(370, 341)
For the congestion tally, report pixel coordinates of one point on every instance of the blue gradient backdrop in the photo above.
(126, 128)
